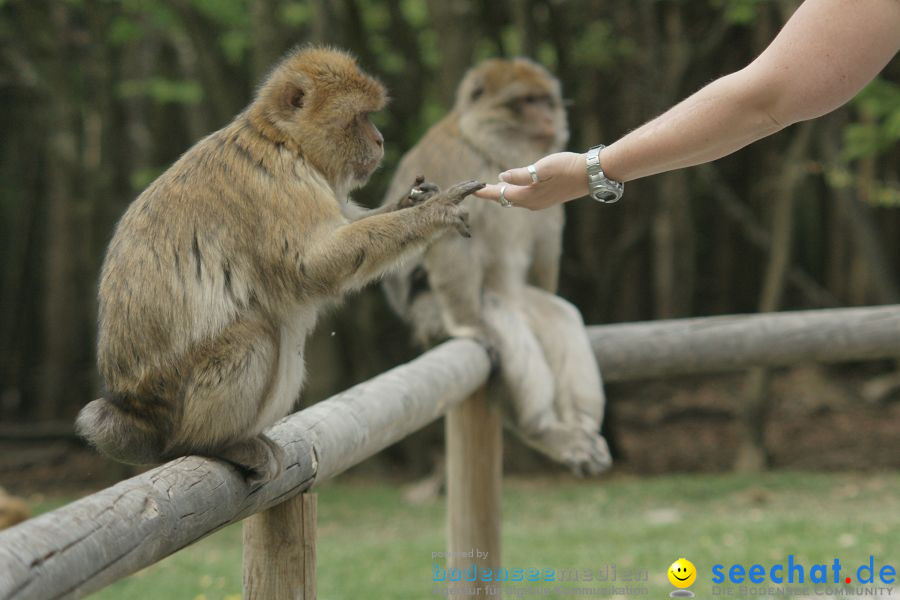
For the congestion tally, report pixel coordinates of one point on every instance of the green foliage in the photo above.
(601, 47)
(428, 44)
(234, 44)
(512, 40)
(416, 12)
(157, 14)
(375, 16)
(233, 17)
(738, 12)
(141, 178)
(162, 90)
(124, 30)
(879, 107)
(547, 56)
(296, 14)
(229, 13)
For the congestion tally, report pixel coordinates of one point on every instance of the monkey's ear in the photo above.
(293, 96)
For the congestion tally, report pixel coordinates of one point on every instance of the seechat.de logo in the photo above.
(794, 572)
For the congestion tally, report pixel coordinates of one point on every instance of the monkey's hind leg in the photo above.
(580, 400)
(530, 383)
(232, 382)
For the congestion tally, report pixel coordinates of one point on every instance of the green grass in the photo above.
(374, 545)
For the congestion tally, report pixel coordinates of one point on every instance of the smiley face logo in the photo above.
(682, 573)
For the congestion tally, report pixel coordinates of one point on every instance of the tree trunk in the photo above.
(752, 455)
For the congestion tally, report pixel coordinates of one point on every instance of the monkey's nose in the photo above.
(379, 140)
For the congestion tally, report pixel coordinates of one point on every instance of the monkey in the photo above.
(499, 287)
(216, 273)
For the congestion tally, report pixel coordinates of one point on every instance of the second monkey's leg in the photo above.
(229, 383)
(562, 336)
(529, 381)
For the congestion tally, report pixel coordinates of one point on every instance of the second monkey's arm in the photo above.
(456, 277)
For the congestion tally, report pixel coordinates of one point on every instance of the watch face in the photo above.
(605, 196)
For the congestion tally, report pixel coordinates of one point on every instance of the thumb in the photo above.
(519, 176)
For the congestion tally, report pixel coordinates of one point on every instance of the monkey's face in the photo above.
(513, 101)
(369, 145)
(325, 105)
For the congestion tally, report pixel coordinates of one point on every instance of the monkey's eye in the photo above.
(476, 94)
(533, 99)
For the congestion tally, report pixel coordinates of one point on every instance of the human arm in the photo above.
(825, 54)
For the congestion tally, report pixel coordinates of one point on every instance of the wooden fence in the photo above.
(101, 538)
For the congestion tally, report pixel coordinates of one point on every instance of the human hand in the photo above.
(561, 177)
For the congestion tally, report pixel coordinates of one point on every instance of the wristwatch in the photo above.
(600, 187)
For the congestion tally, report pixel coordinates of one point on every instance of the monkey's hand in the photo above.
(445, 207)
(420, 191)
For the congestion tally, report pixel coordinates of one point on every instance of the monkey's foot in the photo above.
(600, 460)
(584, 452)
(260, 459)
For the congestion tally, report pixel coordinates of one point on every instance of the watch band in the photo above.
(600, 187)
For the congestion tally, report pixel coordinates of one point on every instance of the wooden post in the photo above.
(474, 437)
(280, 551)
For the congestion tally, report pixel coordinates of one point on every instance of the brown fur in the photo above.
(500, 287)
(216, 272)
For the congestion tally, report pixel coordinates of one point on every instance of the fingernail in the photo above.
(502, 176)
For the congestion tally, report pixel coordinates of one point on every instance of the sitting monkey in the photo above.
(500, 286)
(217, 271)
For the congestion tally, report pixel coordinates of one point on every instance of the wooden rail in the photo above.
(635, 351)
(101, 538)
(92, 542)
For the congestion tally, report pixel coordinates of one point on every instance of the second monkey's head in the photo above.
(319, 101)
(514, 103)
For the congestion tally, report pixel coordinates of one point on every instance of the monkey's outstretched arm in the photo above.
(355, 253)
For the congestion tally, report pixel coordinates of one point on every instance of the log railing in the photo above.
(101, 538)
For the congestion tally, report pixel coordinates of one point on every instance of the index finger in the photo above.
(490, 192)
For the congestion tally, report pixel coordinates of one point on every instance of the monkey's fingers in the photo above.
(461, 190)
(423, 191)
(462, 225)
(419, 193)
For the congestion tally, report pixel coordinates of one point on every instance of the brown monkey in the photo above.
(500, 285)
(216, 273)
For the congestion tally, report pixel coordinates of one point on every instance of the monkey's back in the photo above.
(189, 257)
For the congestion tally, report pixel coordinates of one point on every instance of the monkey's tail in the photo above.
(126, 428)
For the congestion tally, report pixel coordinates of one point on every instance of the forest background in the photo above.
(97, 97)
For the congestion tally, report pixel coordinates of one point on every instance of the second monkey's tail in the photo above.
(128, 429)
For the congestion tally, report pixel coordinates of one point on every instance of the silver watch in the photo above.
(600, 187)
